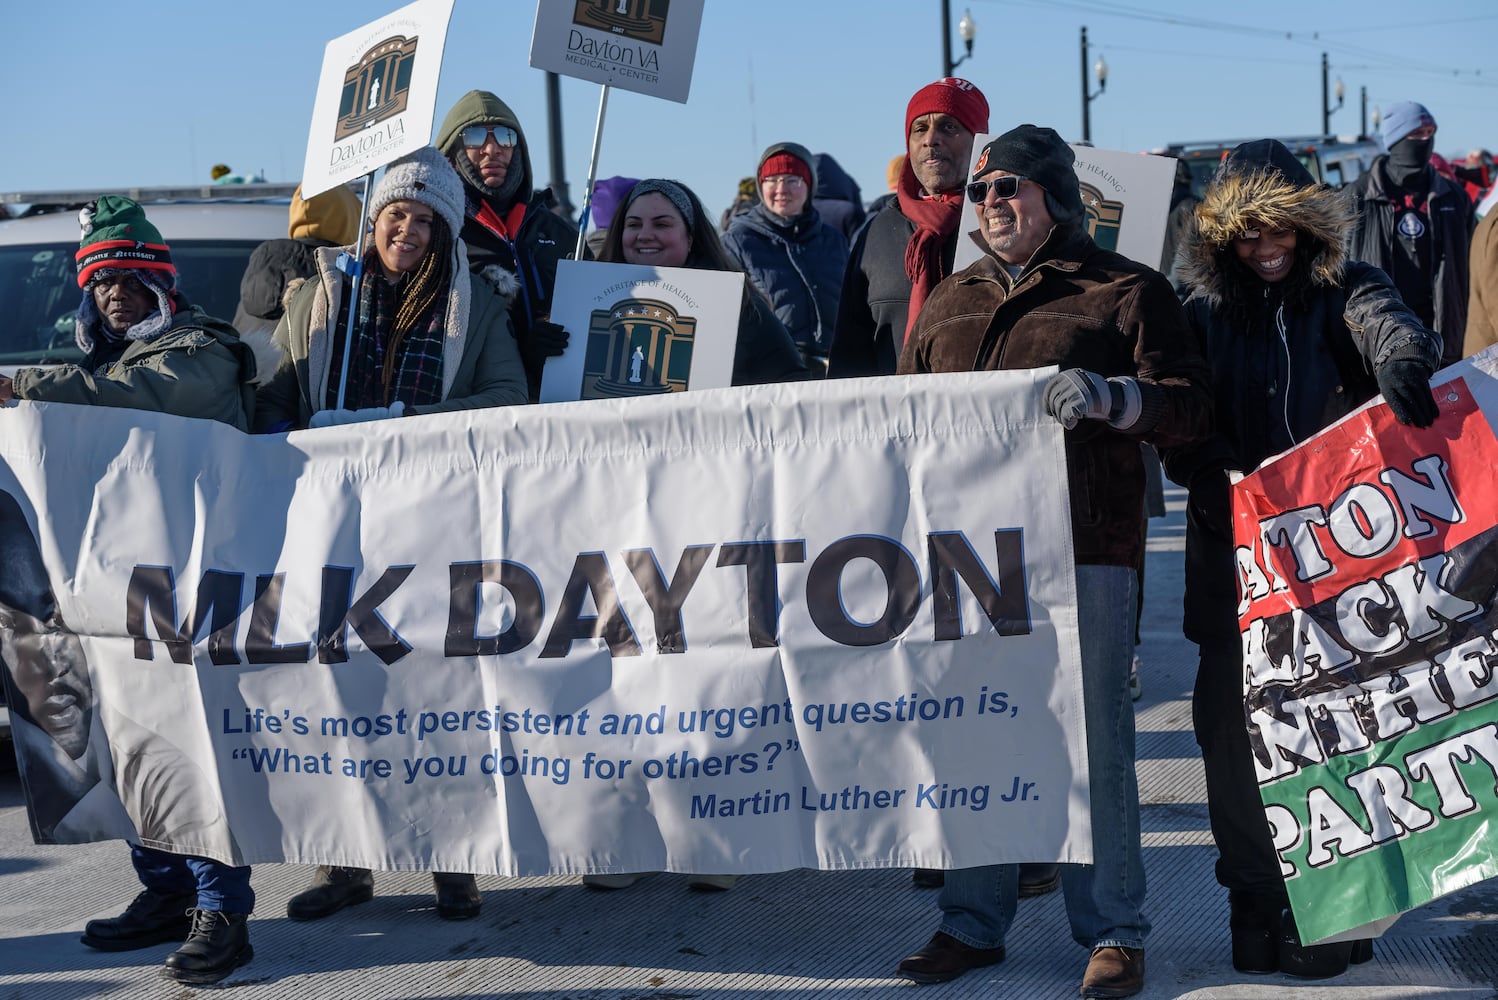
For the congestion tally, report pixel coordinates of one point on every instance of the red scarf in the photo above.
(935, 219)
(505, 228)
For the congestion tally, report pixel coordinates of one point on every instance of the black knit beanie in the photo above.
(1041, 155)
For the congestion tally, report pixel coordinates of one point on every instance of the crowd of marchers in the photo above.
(1287, 305)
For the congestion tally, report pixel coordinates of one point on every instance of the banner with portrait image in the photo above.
(823, 625)
(1368, 569)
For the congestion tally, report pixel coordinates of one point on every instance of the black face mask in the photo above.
(1408, 158)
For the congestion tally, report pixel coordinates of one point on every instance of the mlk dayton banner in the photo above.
(825, 625)
(1368, 570)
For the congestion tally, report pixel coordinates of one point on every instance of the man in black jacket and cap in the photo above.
(514, 239)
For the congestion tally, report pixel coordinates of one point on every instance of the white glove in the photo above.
(332, 418)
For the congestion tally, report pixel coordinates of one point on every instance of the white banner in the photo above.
(376, 95)
(822, 625)
(648, 46)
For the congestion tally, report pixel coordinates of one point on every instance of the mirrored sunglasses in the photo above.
(1003, 189)
(475, 136)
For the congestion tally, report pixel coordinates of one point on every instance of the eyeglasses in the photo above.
(475, 136)
(783, 180)
(1003, 188)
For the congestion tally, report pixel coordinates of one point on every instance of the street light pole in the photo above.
(1326, 107)
(967, 28)
(1101, 72)
(1363, 128)
(554, 143)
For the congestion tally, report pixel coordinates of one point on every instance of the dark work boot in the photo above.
(151, 918)
(457, 896)
(1311, 961)
(927, 878)
(1254, 922)
(1036, 879)
(219, 944)
(331, 890)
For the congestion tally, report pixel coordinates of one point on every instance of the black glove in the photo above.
(545, 340)
(1405, 383)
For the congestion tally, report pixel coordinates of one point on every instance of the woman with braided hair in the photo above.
(427, 338)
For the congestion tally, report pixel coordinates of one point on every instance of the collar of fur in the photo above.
(1317, 213)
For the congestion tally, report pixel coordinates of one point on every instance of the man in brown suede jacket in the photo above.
(1045, 294)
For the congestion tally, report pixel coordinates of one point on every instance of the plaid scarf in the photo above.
(417, 375)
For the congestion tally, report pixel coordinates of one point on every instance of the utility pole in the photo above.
(554, 144)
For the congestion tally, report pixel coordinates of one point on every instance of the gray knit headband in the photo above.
(672, 191)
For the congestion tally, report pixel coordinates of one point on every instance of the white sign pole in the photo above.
(582, 220)
(356, 269)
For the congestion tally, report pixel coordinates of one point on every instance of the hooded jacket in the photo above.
(1451, 220)
(837, 196)
(197, 367)
(1287, 358)
(523, 267)
(1077, 305)
(479, 364)
(798, 263)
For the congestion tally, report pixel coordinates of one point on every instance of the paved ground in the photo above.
(797, 934)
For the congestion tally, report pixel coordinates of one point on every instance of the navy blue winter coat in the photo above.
(799, 266)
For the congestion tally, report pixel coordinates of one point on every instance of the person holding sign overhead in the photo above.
(513, 237)
(428, 337)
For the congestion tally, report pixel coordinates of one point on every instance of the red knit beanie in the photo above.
(951, 96)
(784, 163)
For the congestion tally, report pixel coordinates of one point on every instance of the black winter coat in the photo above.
(874, 306)
(1452, 221)
(1277, 380)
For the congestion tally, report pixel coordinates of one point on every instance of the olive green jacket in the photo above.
(480, 364)
(197, 368)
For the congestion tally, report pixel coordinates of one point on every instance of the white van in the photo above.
(211, 236)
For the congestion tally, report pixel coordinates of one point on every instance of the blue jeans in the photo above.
(218, 886)
(1104, 900)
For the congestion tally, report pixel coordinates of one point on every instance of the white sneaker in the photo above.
(620, 881)
(1136, 686)
(712, 883)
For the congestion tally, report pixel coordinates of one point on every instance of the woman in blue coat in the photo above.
(794, 257)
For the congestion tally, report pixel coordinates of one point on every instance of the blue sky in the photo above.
(103, 94)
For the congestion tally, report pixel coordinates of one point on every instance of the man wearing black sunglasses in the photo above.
(513, 237)
(1046, 294)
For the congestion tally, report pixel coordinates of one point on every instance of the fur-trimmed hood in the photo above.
(1262, 183)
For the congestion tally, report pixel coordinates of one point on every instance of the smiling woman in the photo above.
(427, 336)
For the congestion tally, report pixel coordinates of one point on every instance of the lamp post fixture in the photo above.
(1101, 72)
(967, 28)
(1326, 108)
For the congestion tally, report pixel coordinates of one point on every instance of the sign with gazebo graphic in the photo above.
(642, 331)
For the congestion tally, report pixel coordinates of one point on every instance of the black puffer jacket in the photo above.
(798, 263)
(1451, 221)
(874, 307)
(1287, 358)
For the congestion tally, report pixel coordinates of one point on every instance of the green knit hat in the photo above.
(117, 235)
